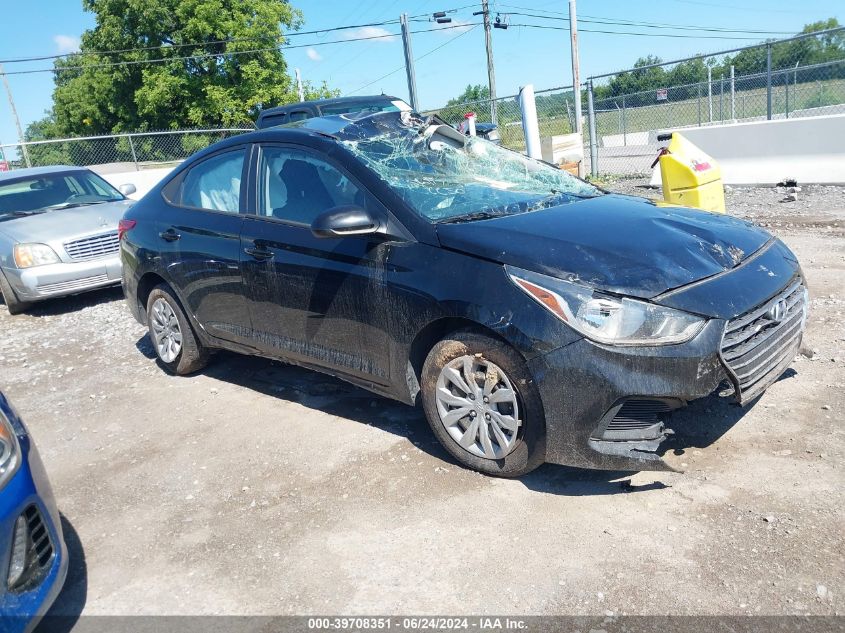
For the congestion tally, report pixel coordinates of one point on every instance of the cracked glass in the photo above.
(447, 177)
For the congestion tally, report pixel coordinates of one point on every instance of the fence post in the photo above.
(591, 123)
(786, 91)
(132, 149)
(624, 124)
(722, 99)
(733, 94)
(710, 94)
(769, 82)
(699, 104)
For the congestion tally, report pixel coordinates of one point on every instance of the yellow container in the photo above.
(690, 177)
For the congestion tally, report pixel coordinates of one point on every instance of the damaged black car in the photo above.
(532, 315)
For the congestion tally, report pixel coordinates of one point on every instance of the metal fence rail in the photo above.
(137, 149)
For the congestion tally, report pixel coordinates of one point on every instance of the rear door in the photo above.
(199, 241)
(313, 300)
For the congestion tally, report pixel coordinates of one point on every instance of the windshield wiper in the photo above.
(19, 214)
(72, 205)
(477, 215)
(554, 195)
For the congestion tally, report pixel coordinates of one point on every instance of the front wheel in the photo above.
(177, 347)
(482, 404)
(13, 304)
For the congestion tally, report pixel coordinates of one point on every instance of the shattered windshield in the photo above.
(40, 193)
(447, 177)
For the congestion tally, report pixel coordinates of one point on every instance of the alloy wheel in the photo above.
(166, 331)
(478, 406)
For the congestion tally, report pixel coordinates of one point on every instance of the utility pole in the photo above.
(299, 85)
(24, 151)
(576, 65)
(491, 73)
(409, 61)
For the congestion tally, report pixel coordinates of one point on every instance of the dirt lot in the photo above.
(258, 488)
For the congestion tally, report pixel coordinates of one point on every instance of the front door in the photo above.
(313, 300)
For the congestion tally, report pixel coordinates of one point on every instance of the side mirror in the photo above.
(344, 220)
(127, 189)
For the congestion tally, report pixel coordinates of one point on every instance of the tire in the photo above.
(509, 453)
(13, 304)
(168, 326)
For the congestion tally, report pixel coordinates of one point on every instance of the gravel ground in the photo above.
(259, 488)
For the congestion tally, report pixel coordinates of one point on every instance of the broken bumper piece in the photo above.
(606, 406)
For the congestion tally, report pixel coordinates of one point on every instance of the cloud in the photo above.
(313, 55)
(382, 34)
(66, 43)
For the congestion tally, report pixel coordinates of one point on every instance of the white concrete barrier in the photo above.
(809, 150)
(624, 140)
(143, 180)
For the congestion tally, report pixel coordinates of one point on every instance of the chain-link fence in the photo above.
(802, 76)
(136, 150)
(797, 77)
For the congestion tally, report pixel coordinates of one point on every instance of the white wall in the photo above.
(810, 150)
(143, 180)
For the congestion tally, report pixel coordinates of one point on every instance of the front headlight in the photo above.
(10, 451)
(29, 255)
(604, 318)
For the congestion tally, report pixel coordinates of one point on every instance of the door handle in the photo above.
(170, 235)
(261, 254)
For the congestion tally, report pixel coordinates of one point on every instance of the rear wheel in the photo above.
(483, 406)
(178, 349)
(13, 304)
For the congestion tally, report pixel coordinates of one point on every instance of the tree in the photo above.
(471, 93)
(214, 63)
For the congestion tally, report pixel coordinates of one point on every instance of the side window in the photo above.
(215, 183)
(299, 115)
(274, 119)
(296, 186)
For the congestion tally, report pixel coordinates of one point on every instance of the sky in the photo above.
(450, 58)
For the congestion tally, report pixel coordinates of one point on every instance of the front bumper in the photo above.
(582, 383)
(62, 279)
(21, 610)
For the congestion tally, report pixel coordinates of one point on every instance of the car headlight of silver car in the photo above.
(605, 318)
(29, 255)
(10, 451)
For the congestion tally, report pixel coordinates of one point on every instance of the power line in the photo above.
(650, 25)
(208, 43)
(673, 35)
(424, 55)
(598, 19)
(136, 62)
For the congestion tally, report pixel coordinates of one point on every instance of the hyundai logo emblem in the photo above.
(777, 311)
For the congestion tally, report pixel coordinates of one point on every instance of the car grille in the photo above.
(39, 550)
(93, 247)
(760, 344)
(73, 284)
(638, 419)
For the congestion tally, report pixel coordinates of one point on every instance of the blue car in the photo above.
(33, 555)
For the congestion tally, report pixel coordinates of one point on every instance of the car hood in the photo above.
(65, 223)
(621, 244)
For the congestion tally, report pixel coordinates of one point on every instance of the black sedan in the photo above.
(535, 317)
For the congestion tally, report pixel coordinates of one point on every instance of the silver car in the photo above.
(58, 233)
